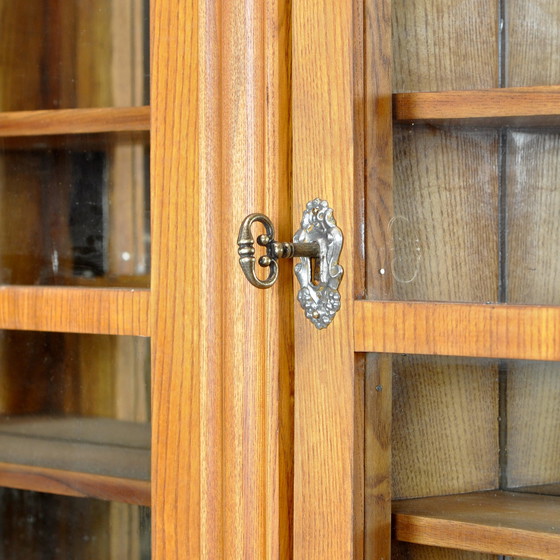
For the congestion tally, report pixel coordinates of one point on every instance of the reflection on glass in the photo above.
(75, 210)
(73, 54)
(76, 402)
(37, 526)
(475, 216)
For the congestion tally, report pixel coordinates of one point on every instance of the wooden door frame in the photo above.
(221, 368)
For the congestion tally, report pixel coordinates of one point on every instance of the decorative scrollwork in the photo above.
(319, 278)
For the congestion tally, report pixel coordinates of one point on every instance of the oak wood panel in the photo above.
(533, 275)
(178, 300)
(323, 131)
(71, 483)
(74, 121)
(378, 183)
(458, 329)
(445, 181)
(532, 33)
(437, 424)
(256, 335)
(440, 45)
(82, 310)
(537, 106)
(495, 522)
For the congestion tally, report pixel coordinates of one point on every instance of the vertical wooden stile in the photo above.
(323, 136)
(379, 211)
(220, 141)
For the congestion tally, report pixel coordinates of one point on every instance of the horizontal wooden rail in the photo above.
(81, 485)
(532, 106)
(504, 523)
(458, 329)
(74, 121)
(120, 311)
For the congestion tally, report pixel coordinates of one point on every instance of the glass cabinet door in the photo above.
(74, 244)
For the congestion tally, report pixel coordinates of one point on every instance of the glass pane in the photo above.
(475, 215)
(444, 230)
(73, 54)
(75, 210)
(35, 526)
(532, 42)
(76, 402)
(470, 424)
(472, 442)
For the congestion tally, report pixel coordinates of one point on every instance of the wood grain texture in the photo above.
(72, 483)
(491, 331)
(532, 276)
(219, 152)
(532, 42)
(538, 106)
(256, 334)
(440, 45)
(444, 440)
(444, 233)
(324, 162)
(79, 310)
(445, 182)
(74, 121)
(494, 522)
(378, 179)
(177, 309)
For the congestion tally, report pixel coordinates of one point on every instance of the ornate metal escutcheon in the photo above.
(317, 243)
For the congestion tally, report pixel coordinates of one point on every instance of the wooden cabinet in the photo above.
(426, 412)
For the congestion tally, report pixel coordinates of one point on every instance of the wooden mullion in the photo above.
(458, 329)
(74, 121)
(117, 311)
(537, 106)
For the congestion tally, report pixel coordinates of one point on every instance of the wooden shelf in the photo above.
(522, 107)
(121, 311)
(74, 121)
(95, 457)
(506, 523)
(516, 332)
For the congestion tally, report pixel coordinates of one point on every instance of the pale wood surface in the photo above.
(74, 121)
(532, 42)
(72, 483)
(533, 276)
(439, 45)
(445, 182)
(323, 132)
(532, 429)
(458, 329)
(495, 522)
(444, 248)
(539, 106)
(82, 310)
(378, 212)
(437, 424)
